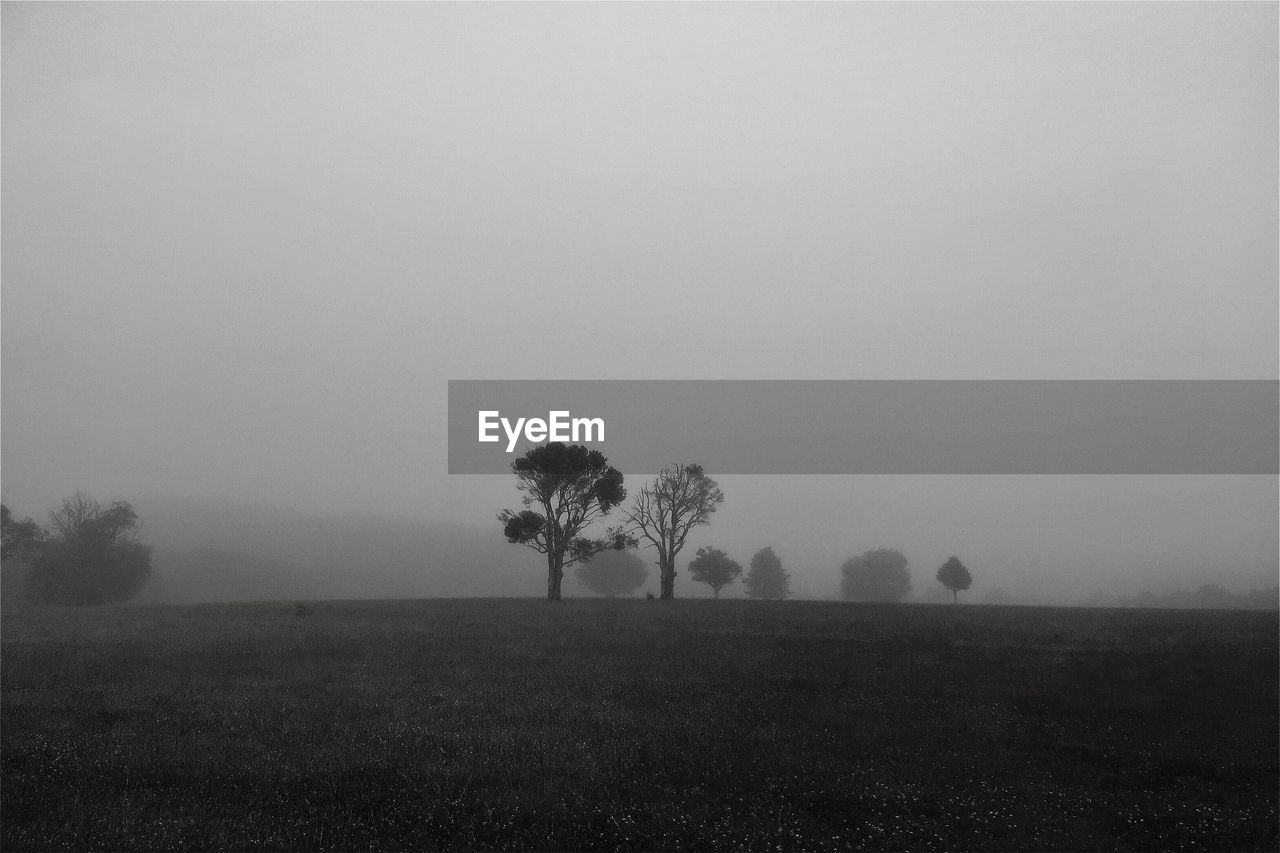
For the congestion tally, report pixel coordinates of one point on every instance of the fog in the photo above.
(246, 246)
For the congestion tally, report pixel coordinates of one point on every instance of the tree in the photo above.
(572, 486)
(679, 499)
(20, 540)
(765, 578)
(90, 554)
(955, 577)
(612, 573)
(879, 575)
(17, 537)
(714, 568)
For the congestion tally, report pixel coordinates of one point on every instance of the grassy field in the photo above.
(516, 724)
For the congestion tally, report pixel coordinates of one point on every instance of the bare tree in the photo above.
(76, 511)
(679, 499)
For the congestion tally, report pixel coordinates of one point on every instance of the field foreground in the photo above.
(516, 724)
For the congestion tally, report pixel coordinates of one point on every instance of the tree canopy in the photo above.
(879, 575)
(680, 498)
(571, 486)
(714, 568)
(612, 573)
(766, 577)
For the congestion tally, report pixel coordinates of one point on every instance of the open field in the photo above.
(507, 724)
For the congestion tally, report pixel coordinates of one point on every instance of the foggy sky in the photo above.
(245, 246)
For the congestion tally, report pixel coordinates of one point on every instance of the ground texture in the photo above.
(515, 724)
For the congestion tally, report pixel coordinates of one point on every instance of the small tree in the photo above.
(90, 555)
(955, 577)
(714, 568)
(612, 573)
(766, 578)
(879, 575)
(572, 486)
(679, 499)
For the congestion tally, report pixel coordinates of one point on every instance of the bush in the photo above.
(879, 575)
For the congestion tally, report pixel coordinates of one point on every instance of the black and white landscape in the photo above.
(246, 247)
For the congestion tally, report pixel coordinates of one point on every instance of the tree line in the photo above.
(89, 553)
(567, 487)
(612, 573)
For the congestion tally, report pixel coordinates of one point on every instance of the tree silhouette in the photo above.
(18, 537)
(679, 499)
(611, 573)
(572, 486)
(714, 568)
(766, 578)
(955, 577)
(90, 555)
(879, 575)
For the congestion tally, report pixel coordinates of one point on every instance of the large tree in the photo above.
(766, 577)
(679, 499)
(612, 573)
(90, 555)
(955, 577)
(714, 568)
(572, 486)
(879, 575)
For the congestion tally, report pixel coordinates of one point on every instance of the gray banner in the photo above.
(876, 426)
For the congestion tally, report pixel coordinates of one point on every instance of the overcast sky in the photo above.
(245, 246)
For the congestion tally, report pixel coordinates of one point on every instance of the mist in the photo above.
(1026, 540)
(246, 246)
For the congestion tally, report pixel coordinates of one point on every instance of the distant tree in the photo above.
(90, 554)
(1268, 599)
(1207, 596)
(879, 575)
(1213, 595)
(572, 486)
(955, 577)
(20, 541)
(612, 573)
(17, 537)
(766, 578)
(679, 499)
(714, 568)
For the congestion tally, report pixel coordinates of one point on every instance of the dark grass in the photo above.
(514, 724)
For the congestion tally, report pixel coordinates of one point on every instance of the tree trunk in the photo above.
(955, 597)
(668, 570)
(555, 574)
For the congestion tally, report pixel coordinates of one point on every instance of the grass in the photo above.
(515, 724)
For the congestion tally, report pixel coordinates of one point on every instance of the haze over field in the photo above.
(245, 247)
